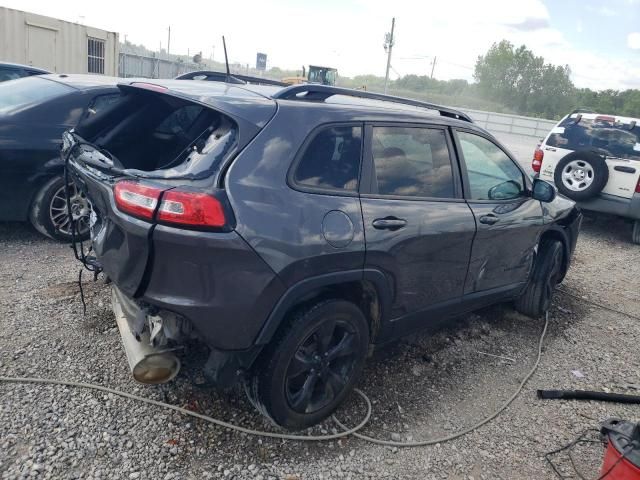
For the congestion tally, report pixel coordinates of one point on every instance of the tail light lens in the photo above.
(538, 156)
(136, 199)
(175, 207)
(191, 209)
(638, 186)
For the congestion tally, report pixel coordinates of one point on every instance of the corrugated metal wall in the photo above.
(52, 44)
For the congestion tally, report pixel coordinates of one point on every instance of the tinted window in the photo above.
(10, 74)
(180, 120)
(332, 159)
(614, 139)
(492, 174)
(412, 162)
(25, 91)
(103, 101)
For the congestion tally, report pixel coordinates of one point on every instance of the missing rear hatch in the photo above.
(154, 135)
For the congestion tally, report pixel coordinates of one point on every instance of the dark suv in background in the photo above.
(291, 228)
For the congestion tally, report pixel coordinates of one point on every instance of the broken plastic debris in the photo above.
(577, 373)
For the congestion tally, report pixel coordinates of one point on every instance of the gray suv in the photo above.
(291, 228)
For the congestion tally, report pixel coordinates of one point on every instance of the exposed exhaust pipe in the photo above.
(148, 364)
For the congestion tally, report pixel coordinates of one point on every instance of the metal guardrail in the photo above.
(514, 124)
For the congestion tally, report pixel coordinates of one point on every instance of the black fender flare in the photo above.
(308, 285)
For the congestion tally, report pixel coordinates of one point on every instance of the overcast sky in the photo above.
(598, 39)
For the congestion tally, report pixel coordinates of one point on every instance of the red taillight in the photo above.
(606, 119)
(136, 199)
(638, 186)
(191, 208)
(538, 156)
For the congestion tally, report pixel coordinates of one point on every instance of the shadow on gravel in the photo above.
(12, 231)
(607, 227)
(426, 385)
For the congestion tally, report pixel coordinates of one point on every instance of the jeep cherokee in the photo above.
(291, 228)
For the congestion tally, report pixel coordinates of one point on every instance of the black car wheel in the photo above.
(546, 275)
(581, 175)
(49, 214)
(312, 366)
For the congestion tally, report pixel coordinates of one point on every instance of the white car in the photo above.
(594, 159)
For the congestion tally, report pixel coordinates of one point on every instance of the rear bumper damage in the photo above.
(152, 339)
(144, 338)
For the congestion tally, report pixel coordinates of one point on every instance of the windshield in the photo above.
(614, 139)
(22, 92)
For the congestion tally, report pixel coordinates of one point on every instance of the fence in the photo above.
(132, 65)
(514, 124)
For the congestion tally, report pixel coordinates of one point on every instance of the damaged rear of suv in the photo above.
(162, 227)
(289, 229)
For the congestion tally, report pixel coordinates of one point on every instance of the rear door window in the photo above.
(412, 162)
(331, 160)
(26, 91)
(603, 134)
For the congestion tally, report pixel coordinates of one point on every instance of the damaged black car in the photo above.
(291, 228)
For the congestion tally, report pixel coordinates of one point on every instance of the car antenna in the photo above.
(226, 59)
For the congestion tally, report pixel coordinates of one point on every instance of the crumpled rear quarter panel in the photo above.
(215, 280)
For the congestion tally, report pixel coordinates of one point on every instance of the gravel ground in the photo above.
(424, 386)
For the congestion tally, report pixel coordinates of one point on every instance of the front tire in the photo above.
(311, 366)
(49, 213)
(547, 272)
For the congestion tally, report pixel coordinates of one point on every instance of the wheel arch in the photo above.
(558, 233)
(369, 289)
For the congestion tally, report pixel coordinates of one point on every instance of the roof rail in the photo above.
(320, 93)
(213, 76)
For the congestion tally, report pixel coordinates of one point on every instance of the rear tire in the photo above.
(581, 175)
(547, 271)
(311, 366)
(635, 234)
(49, 215)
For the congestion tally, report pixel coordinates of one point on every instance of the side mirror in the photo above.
(543, 191)
(505, 191)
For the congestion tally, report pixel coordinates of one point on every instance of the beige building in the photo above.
(56, 45)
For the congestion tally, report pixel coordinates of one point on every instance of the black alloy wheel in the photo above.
(311, 365)
(321, 367)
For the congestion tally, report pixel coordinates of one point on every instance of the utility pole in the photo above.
(169, 41)
(433, 65)
(388, 46)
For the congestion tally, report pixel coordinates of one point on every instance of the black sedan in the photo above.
(34, 111)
